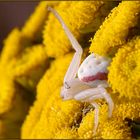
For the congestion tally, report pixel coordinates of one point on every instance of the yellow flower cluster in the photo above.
(34, 61)
(77, 18)
(34, 25)
(116, 28)
(125, 78)
(22, 63)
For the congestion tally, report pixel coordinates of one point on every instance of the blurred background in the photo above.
(14, 14)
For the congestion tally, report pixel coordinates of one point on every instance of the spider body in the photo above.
(94, 67)
(91, 82)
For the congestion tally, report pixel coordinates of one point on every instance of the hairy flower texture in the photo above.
(13, 119)
(30, 66)
(115, 29)
(13, 45)
(31, 57)
(53, 113)
(12, 48)
(50, 117)
(115, 128)
(26, 62)
(34, 25)
(54, 75)
(66, 133)
(85, 130)
(76, 17)
(7, 91)
(13, 63)
(56, 115)
(111, 128)
(125, 108)
(100, 17)
(124, 71)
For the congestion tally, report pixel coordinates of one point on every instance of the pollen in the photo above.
(115, 30)
(124, 71)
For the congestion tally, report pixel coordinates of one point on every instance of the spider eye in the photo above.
(66, 85)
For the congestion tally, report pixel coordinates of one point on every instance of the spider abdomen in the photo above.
(94, 67)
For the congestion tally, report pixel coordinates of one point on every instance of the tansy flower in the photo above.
(115, 128)
(85, 130)
(56, 115)
(66, 133)
(51, 116)
(111, 128)
(99, 18)
(115, 29)
(124, 71)
(7, 91)
(55, 40)
(30, 66)
(34, 25)
(24, 59)
(51, 80)
(125, 108)
(18, 58)
(13, 45)
(60, 114)
(13, 119)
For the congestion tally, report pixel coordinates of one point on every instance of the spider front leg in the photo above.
(74, 65)
(89, 95)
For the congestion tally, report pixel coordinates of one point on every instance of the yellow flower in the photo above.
(60, 114)
(51, 80)
(34, 25)
(24, 60)
(30, 66)
(124, 71)
(125, 108)
(115, 29)
(66, 133)
(85, 130)
(76, 16)
(13, 45)
(56, 115)
(7, 91)
(115, 128)
(13, 119)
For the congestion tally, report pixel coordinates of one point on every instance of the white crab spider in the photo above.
(91, 81)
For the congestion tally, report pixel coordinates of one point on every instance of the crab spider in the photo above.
(92, 76)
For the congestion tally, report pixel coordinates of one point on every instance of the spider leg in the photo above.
(96, 116)
(110, 103)
(74, 65)
(93, 92)
(108, 98)
(94, 97)
(88, 95)
(76, 86)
